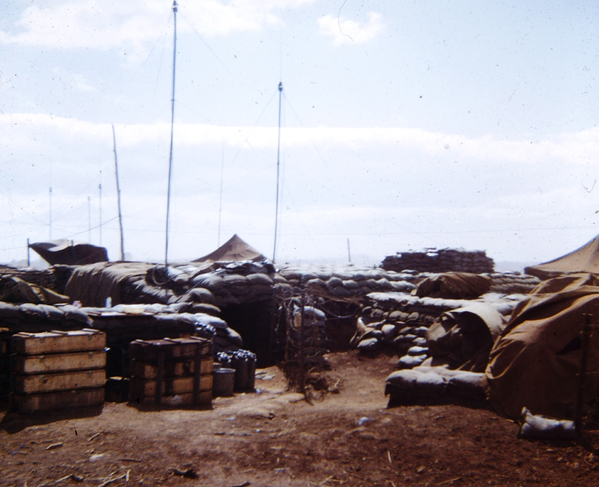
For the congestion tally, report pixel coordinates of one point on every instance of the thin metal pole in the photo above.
(100, 223)
(274, 252)
(28, 254)
(582, 372)
(118, 194)
(348, 252)
(220, 202)
(50, 212)
(89, 220)
(170, 159)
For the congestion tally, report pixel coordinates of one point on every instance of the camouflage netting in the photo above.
(443, 260)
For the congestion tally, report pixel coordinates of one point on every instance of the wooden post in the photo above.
(582, 372)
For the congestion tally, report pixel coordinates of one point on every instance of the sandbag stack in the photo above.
(54, 370)
(442, 260)
(225, 339)
(435, 385)
(400, 322)
(171, 372)
(233, 289)
(346, 281)
(31, 317)
(513, 283)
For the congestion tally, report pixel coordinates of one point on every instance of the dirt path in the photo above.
(274, 437)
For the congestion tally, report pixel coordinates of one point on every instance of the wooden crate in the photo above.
(181, 368)
(147, 351)
(60, 381)
(57, 369)
(29, 403)
(63, 362)
(171, 372)
(171, 387)
(58, 342)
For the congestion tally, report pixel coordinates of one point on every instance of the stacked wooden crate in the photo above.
(171, 372)
(57, 369)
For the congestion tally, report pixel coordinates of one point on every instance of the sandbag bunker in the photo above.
(255, 315)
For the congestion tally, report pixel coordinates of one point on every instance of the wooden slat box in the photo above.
(147, 351)
(171, 387)
(173, 372)
(60, 381)
(63, 362)
(171, 368)
(28, 403)
(57, 369)
(58, 342)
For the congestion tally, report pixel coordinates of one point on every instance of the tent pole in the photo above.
(274, 252)
(118, 194)
(170, 159)
(583, 371)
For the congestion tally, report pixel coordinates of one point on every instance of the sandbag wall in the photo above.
(513, 283)
(400, 322)
(346, 281)
(443, 260)
(54, 370)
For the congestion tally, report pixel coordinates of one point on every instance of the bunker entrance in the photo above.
(255, 323)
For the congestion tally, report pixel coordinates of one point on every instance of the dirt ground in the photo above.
(275, 438)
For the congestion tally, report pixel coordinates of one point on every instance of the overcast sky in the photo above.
(405, 125)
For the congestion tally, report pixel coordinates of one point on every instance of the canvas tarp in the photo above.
(462, 338)
(536, 361)
(584, 259)
(454, 285)
(234, 250)
(92, 284)
(69, 252)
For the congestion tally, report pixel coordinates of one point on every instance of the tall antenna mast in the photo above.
(220, 202)
(170, 159)
(100, 204)
(274, 252)
(118, 193)
(50, 213)
(89, 220)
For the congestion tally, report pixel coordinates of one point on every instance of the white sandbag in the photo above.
(411, 361)
(543, 428)
(369, 345)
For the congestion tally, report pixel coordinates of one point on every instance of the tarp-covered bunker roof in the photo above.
(536, 362)
(69, 252)
(234, 250)
(584, 259)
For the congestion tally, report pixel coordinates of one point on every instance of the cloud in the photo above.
(387, 189)
(347, 32)
(131, 24)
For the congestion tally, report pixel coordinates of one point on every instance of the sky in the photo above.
(405, 125)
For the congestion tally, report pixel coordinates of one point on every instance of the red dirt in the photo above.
(274, 437)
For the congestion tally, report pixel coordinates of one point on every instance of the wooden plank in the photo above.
(58, 342)
(62, 381)
(57, 400)
(172, 368)
(177, 400)
(170, 387)
(173, 348)
(41, 364)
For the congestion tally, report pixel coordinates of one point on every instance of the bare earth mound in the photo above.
(274, 437)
